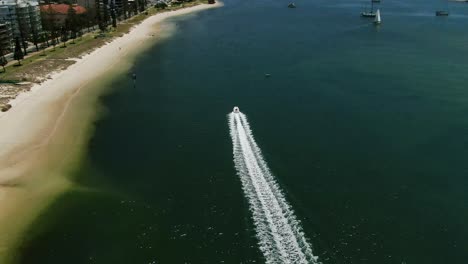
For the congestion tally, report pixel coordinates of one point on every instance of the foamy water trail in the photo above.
(279, 233)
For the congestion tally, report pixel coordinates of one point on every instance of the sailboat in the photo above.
(377, 20)
(369, 13)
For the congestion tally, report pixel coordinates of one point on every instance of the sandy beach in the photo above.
(43, 135)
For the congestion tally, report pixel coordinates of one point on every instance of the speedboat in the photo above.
(236, 109)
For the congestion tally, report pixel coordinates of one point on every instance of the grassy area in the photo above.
(37, 67)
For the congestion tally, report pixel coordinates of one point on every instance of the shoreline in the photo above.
(42, 141)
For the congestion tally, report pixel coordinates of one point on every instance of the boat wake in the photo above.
(280, 235)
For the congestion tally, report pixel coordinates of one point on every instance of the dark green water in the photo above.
(366, 130)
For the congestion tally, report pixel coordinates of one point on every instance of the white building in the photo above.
(5, 38)
(24, 18)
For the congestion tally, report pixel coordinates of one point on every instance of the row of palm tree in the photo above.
(103, 14)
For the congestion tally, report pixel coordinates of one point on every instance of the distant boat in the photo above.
(442, 13)
(236, 109)
(370, 13)
(377, 20)
(375, 1)
(292, 5)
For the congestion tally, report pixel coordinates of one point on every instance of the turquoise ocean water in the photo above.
(364, 128)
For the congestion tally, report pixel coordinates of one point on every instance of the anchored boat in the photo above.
(370, 13)
(444, 9)
(442, 13)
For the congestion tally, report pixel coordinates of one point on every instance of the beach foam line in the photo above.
(280, 235)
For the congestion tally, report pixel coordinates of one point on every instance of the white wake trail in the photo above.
(279, 233)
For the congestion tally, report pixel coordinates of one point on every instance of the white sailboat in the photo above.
(377, 20)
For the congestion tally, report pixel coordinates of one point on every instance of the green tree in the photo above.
(23, 28)
(141, 5)
(18, 55)
(48, 22)
(53, 42)
(72, 22)
(88, 19)
(99, 19)
(137, 9)
(3, 60)
(105, 12)
(64, 36)
(90, 16)
(124, 8)
(35, 34)
(160, 5)
(44, 43)
(114, 19)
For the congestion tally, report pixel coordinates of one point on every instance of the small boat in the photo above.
(377, 20)
(292, 5)
(442, 13)
(236, 109)
(375, 1)
(443, 9)
(370, 13)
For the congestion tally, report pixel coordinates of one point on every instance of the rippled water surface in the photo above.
(365, 130)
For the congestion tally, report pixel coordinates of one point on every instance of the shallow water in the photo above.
(365, 129)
